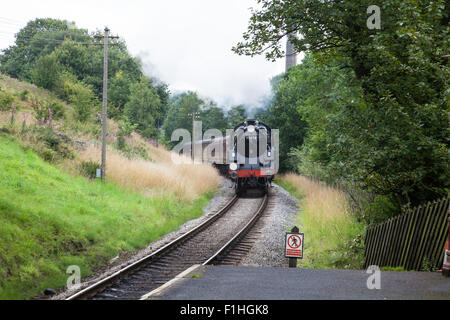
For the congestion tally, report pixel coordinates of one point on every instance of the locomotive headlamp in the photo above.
(251, 128)
(233, 166)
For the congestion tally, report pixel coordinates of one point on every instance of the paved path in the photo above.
(263, 283)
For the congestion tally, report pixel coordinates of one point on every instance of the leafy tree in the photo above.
(319, 91)
(396, 140)
(213, 117)
(38, 38)
(82, 98)
(143, 107)
(119, 92)
(162, 89)
(179, 115)
(47, 72)
(50, 52)
(236, 115)
(284, 115)
(125, 128)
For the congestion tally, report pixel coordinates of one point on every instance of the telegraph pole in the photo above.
(194, 115)
(106, 38)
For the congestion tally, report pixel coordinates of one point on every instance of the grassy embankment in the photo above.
(52, 217)
(50, 220)
(333, 236)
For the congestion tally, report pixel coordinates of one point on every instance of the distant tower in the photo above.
(291, 56)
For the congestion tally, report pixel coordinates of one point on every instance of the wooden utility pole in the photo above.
(194, 116)
(106, 38)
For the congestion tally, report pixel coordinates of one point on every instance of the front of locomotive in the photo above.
(251, 158)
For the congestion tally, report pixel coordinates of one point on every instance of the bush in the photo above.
(82, 98)
(6, 99)
(299, 159)
(57, 109)
(89, 169)
(51, 140)
(125, 129)
(46, 73)
(42, 109)
(54, 146)
(47, 154)
(24, 94)
(380, 209)
(149, 132)
(349, 254)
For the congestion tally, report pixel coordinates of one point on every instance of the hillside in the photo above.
(50, 220)
(53, 214)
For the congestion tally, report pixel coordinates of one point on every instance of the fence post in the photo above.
(446, 266)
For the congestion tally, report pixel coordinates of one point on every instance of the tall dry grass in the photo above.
(326, 203)
(186, 181)
(332, 233)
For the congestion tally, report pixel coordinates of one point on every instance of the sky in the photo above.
(186, 44)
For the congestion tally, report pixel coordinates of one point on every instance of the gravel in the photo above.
(268, 250)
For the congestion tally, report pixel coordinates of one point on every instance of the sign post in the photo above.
(294, 246)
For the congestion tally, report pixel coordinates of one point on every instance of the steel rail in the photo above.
(230, 244)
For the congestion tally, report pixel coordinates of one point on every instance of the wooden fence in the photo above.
(414, 240)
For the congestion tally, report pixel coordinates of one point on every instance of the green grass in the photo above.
(289, 187)
(50, 220)
(393, 269)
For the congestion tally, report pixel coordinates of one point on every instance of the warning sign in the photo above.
(294, 245)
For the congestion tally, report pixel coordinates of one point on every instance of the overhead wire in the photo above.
(6, 23)
(12, 20)
(66, 40)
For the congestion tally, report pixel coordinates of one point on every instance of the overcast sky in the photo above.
(187, 44)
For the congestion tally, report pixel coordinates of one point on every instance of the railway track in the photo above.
(215, 241)
(237, 248)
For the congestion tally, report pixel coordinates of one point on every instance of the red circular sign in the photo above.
(294, 241)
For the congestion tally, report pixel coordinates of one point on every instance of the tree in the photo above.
(213, 117)
(119, 93)
(143, 107)
(49, 52)
(283, 114)
(81, 97)
(47, 72)
(394, 141)
(236, 115)
(162, 89)
(179, 115)
(38, 38)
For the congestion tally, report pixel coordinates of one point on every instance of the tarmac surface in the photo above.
(270, 283)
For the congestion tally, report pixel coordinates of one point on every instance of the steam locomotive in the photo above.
(246, 155)
(252, 164)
